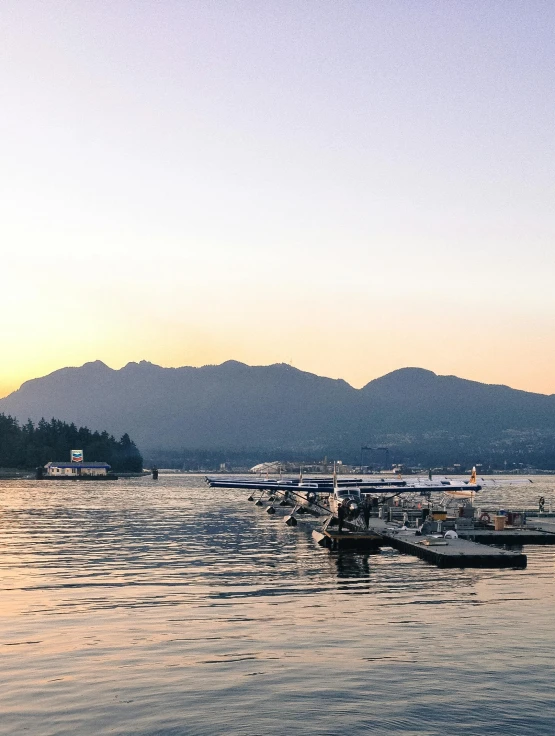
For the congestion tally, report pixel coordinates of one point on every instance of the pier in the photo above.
(477, 545)
(440, 551)
(444, 552)
(357, 540)
(448, 535)
(512, 537)
(457, 552)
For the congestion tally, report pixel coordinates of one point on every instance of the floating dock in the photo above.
(458, 552)
(479, 546)
(539, 522)
(511, 537)
(358, 540)
(445, 552)
(455, 552)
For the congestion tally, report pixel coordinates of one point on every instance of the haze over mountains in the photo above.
(234, 407)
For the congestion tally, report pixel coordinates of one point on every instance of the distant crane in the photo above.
(365, 448)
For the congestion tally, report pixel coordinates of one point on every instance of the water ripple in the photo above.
(165, 608)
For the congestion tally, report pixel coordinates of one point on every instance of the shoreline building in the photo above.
(76, 468)
(72, 470)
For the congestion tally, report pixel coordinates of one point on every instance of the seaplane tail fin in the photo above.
(472, 480)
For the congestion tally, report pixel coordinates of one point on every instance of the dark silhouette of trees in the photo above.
(29, 446)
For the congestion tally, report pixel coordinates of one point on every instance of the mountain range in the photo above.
(234, 407)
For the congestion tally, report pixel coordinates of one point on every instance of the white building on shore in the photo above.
(72, 470)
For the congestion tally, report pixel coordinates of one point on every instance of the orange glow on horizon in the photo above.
(525, 376)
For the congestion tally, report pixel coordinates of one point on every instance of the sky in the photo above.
(351, 187)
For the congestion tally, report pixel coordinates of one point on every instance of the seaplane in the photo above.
(325, 484)
(307, 497)
(452, 488)
(347, 496)
(304, 493)
(457, 488)
(328, 497)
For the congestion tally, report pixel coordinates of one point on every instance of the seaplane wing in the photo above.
(505, 481)
(451, 487)
(458, 488)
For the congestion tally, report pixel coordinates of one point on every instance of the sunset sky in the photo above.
(352, 187)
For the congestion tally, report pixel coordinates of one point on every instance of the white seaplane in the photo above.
(456, 488)
(451, 488)
(352, 498)
(347, 496)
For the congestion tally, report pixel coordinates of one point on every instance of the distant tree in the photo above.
(29, 446)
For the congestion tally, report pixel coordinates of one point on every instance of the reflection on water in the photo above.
(166, 608)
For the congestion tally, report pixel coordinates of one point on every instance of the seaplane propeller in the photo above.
(311, 496)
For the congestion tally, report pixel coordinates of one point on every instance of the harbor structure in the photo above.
(82, 469)
(76, 469)
(451, 534)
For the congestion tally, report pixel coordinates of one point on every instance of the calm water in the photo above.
(165, 608)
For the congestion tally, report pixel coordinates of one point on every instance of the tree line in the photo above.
(30, 445)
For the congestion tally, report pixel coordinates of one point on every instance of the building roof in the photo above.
(269, 467)
(54, 464)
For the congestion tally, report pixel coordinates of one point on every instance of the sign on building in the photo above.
(77, 456)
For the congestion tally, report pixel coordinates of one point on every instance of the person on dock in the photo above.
(341, 513)
(541, 504)
(366, 509)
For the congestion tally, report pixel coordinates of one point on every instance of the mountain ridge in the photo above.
(413, 370)
(234, 406)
